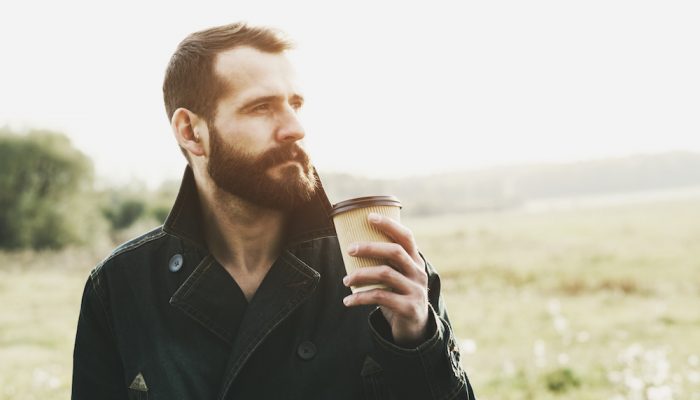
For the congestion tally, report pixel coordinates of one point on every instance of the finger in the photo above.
(393, 301)
(392, 252)
(396, 231)
(381, 274)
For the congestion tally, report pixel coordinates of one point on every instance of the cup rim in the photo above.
(361, 202)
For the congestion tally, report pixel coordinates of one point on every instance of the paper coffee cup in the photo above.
(352, 225)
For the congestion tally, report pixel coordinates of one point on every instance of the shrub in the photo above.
(561, 380)
(45, 185)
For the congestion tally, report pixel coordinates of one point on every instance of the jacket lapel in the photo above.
(211, 297)
(288, 284)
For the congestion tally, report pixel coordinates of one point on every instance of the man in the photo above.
(241, 293)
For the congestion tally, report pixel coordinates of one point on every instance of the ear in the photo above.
(190, 131)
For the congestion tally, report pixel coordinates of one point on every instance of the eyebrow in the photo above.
(263, 99)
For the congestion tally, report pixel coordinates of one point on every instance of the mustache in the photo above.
(283, 154)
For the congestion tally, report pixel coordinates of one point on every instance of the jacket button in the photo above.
(175, 263)
(306, 350)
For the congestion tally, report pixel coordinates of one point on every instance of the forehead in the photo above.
(249, 72)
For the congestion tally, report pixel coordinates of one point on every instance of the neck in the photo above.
(242, 236)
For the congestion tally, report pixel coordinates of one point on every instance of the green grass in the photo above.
(579, 304)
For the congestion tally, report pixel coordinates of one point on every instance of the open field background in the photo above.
(584, 303)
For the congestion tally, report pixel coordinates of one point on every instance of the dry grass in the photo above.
(581, 304)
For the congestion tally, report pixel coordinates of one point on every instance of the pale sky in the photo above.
(392, 88)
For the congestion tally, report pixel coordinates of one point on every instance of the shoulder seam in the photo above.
(131, 245)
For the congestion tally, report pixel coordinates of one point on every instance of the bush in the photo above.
(125, 206)
(122, 214)
(45, 191)
(561, 380)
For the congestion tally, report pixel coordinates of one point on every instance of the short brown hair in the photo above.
(190, 81)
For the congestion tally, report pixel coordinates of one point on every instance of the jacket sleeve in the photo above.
(431, 370)
(97, 367)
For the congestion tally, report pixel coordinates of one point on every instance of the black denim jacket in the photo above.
(161, 319)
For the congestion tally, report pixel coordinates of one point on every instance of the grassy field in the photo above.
(598, 303)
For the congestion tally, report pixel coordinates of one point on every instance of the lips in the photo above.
(283, 155)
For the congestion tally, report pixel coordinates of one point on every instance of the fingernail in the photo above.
(352, 249)
(346, 300)
(374, 217)
(345, 281)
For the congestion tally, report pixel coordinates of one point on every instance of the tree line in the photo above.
(48, 198)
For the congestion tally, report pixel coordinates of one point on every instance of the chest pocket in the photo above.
(373, 381)
(138, 390)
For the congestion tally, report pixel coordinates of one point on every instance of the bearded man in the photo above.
(242, 293)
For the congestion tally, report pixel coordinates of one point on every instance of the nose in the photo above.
(290, 128)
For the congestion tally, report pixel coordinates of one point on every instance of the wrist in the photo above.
(412, 337)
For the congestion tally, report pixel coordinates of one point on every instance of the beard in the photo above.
(247, 177)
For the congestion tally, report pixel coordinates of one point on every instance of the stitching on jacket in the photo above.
(429, 344)
(312, 236)
(202, 319)
(291, 263)
(187, 288)
(154, 234)
(96, 278)
(196, 276)
(178, 211)
(453, 394)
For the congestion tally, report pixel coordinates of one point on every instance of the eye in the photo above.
(297, 104)
(261, 108)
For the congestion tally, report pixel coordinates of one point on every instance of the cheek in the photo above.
(249, 136)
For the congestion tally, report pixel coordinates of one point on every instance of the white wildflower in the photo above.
(621, 334)
(554, 307)
(468, 346)
(43, 378)
(508, 367)
(563, 359)
(539, 352)
(657, 367)
(583, 337)
(560, 324)
(615, 376)
(659, 393)
(634, 383)
(630, 354)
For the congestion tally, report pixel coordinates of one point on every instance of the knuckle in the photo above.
(409, 234)
(380, 295)
(396, 250)
(416, 309)
(413, 309)
(386, 272)
(424, 294)
(421, 291)
(423, 277)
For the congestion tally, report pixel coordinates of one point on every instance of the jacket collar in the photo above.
(308, 221)
(209, 297)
